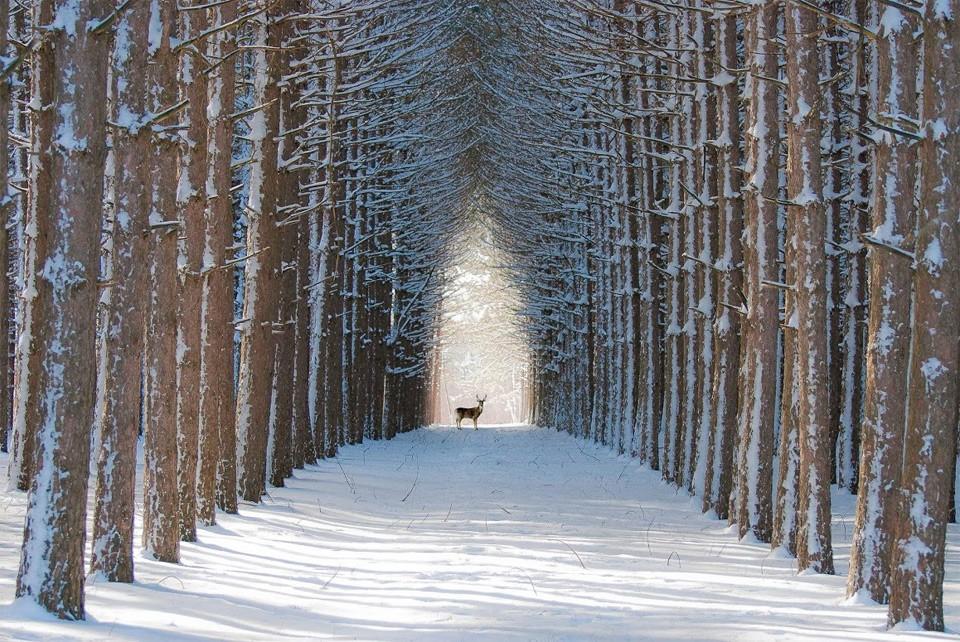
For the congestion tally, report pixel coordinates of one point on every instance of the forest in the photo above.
(718, 239)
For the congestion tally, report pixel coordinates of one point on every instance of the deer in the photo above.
(470, 413)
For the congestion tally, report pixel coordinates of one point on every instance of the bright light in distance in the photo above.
(482, 350)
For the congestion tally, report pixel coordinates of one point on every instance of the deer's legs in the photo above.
(475, 424)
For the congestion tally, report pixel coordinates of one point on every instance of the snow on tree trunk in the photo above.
(807, 228)
(729, 277)
(191, 206)
(255, 391)
(216, 450)
(760, 327)
(888, 341)
(932, 419)
(119, 420)
(161, 513)
(67, 166)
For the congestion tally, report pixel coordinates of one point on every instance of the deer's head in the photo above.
(481, 401)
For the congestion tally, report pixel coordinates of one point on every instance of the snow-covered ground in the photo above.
(507, 533)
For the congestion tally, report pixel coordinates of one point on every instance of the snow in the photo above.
(931, 369)
(723, 78)
(65, 136)
(508, 533)
(155, 34)
(933, 256)
(67, 18)
(942, 9)
(892, 21)
(803, 110)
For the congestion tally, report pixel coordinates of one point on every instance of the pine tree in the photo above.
(892, 238)
(69, 152)
(255, 392)
(729, 277)
(807, 228)
(930, 435)
(760, 192)
(191, 205)
(217, 448)
(161, 510)
(119, 421)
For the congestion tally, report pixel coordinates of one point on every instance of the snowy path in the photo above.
(506, 533)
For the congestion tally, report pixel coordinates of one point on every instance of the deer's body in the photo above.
(470, 413)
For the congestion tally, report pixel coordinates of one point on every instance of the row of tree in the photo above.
(736, 229)
(237, 211)
(733, 228)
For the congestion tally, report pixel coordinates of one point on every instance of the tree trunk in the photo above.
(785, 522)
(191, 206)
(888, 338)
(120, 421)
(5, 207)
(217, 447)
(161, 518)
(19, 101)
(670, 418)
(68, 155)
(930, 436)
(729, 276)
(704, 311)
(760, 329)
(807, 228)
(256, 387)
(290, 120)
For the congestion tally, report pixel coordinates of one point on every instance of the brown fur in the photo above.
(470, 413)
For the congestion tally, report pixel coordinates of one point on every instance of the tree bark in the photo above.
(120, 421)
(729, 275)
(68, 156)
(930, 436)
(888, 339)
(191, 206)
(807, 227)
(161, 514)
(217, 447)
(759, 367)
(255, 393)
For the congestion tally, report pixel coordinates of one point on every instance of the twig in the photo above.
(332, 577)
(170, 577)
(575, 553)
(889, 246)
(410, 492)
(529, 580)
(353, 491)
